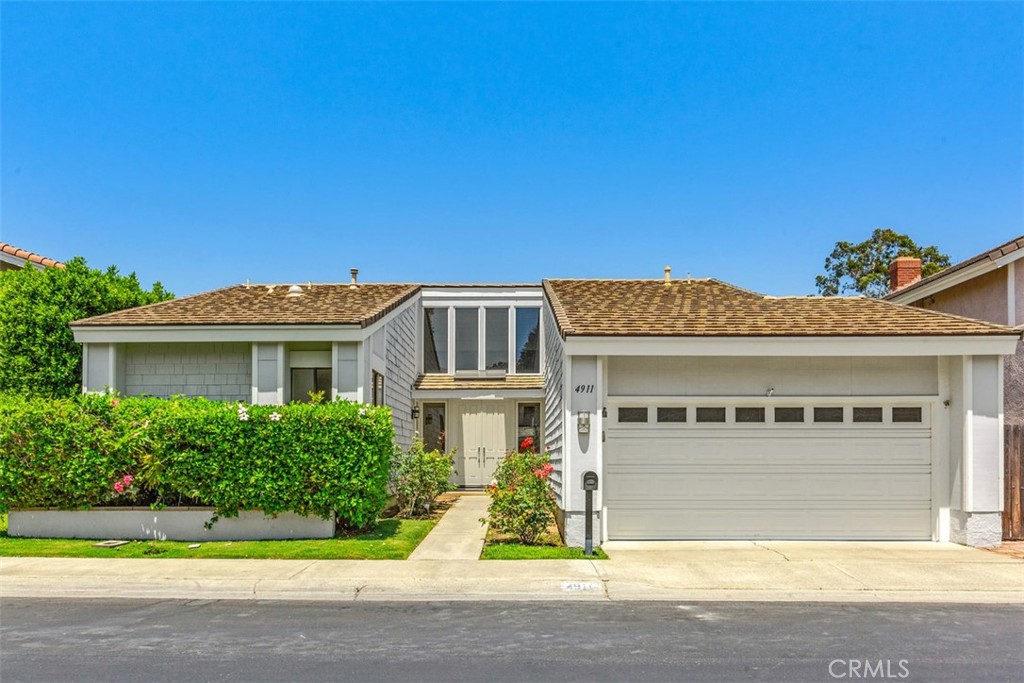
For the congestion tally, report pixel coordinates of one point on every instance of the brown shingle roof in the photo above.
(990, 255)
(29, 256)
(495, 383)
(333, 304)
(706, 307)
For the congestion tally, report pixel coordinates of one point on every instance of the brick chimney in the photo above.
(904, 271)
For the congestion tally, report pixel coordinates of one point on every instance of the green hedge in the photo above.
(311, 459)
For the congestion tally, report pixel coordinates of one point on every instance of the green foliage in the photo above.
(418, 477)
(517, 551)
(390, 539)
(521, 500)
(38, 353)
(863, 268)
(312, 460)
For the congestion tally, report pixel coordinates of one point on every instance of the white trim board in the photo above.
(217, 333)
(442, 394)
(995, 345)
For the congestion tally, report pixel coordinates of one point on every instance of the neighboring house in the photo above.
(707, 411)
(13, 258)
(990, 287)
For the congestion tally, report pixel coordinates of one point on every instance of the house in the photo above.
(706, 410)
(990, 287)
(13, 258)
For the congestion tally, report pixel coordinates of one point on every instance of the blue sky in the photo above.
(203, 144)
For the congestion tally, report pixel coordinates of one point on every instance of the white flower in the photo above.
(362, 411)
(243, 416)
(274, 417)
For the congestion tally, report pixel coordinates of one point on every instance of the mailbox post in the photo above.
(589, 486)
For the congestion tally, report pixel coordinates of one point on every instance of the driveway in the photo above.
(747, 569)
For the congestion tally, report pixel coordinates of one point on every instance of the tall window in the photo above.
(528, 428)
(527, 340)
(433, 427)
(467, 339)
(310, 380)
(378, 389)
(496, 339)
(435, 340)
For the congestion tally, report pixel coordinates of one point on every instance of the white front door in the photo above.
(483, 441)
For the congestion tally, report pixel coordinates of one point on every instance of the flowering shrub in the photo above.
(90, 450)
(418, 477)
(521, 500)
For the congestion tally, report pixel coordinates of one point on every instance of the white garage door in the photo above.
(675, 471)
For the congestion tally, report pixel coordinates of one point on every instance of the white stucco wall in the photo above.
(753, 376)
(218, 371)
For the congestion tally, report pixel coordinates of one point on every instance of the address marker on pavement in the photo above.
(579, 586)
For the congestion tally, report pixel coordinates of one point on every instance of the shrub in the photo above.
(521, 500)
(38, 352)
(418, 477)
(312, 460)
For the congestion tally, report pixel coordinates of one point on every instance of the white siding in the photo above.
(400, 371)
(554, 401)
(219, 371)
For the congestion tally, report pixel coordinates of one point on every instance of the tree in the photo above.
(38, 353)
(863, 268)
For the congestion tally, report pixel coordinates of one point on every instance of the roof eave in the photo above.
(996, 343)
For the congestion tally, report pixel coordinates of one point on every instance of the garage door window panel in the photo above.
(671, 415)
(830, 414)
(789, 415)
(632, 415)
(711, 415)
(872, 414)
(748, 415)
(907, 414)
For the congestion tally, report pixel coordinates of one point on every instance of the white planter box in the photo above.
(169, 524)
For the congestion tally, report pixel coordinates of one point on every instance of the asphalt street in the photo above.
(143, 640)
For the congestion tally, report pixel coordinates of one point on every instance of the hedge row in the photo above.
(94, 450)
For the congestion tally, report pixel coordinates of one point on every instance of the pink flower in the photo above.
(115, 402)
(128, 479)
(119, 487)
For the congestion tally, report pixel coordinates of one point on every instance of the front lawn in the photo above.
(504, 547)
(391, 539)
(518, 551)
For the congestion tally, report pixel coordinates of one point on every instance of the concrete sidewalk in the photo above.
(730, 571)
(459, 535)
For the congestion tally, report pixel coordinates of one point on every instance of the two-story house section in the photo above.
(479, 388)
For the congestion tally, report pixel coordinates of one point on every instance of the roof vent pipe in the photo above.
(355, 277)
(668, 274)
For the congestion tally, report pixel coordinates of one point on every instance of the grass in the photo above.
(504, 547)
(518, 551)
(391, 539)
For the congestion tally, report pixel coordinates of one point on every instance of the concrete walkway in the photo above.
(459, 535)
(697, 571)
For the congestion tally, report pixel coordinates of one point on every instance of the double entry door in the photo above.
(484, 442)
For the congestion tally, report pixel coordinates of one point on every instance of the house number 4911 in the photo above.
(584, 389)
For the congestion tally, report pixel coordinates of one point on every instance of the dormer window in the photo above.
(485, 340)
